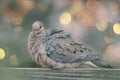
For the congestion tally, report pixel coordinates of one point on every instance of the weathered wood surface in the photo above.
(49, 74)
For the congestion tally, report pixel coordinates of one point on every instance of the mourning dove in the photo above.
(57, 49)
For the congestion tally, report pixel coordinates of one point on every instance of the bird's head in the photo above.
(38, 29)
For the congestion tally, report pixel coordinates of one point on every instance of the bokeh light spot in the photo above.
(26, 4)
(13, 60)
(17, 20)
(108, 39)
(116, 28)
(2, 54)
(65, 18)
(18, 29)
(109, 49)
(114, 7)
(102, 25)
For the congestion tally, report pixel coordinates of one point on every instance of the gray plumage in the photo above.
(62, 48)
(57, 49)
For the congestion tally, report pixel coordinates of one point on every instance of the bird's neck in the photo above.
(39, 39)
(39, 35)
(34, 40)
(35, 45)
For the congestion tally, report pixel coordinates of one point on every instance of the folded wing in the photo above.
(61, 47)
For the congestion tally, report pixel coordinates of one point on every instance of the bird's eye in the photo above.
(40, 26)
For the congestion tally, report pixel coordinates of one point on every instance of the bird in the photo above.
(57, 49)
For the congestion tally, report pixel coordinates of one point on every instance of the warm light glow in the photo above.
(77, 7)
(114, 7)
(116, 28)
(102, 25)
(13, 60)
(109, 49)
(18, 29)
(65, 18)
(112, 55)
(17, 20)
(26, 4)
(88, 19)
(108, 39)
(2, 54)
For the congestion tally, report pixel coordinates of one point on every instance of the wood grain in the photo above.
(66, 74)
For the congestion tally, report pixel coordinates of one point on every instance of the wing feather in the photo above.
(61, 47)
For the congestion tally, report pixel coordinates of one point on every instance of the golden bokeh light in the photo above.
(2, 54)
(26, 4)
(93, 4)
(65, 18)
(116, 28)
(102, 25)
(112, 55)
(87, 18)
(76, 8)
(13, 60)
(114, 7)
(18, 29)
(17, 20)
(108, 39)
(109, 49)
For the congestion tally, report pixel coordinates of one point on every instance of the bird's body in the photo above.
(61, 47)
(57, 49)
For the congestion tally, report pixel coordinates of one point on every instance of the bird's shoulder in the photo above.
(50, 32)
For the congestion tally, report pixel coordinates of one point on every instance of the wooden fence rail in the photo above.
(66, 74)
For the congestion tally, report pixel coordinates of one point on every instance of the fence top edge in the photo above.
(76, 69)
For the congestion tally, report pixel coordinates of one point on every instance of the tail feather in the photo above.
(101, 63)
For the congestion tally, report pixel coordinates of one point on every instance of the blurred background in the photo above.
(96, 22)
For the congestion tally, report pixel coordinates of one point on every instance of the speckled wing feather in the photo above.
(61, 47)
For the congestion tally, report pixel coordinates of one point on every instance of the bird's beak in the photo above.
(34, 33)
